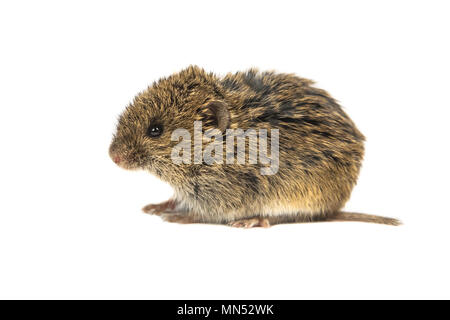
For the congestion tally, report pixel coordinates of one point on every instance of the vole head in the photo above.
(144, 130)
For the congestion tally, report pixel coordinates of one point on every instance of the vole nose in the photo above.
(117, 159)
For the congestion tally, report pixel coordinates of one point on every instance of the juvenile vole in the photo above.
(319, 157)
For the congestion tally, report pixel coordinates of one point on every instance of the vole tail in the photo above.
(361, 217)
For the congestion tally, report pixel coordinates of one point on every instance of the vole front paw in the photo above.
(250, 223)
(159, 208)
(177, 218)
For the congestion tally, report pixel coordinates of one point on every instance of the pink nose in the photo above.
(117, 159)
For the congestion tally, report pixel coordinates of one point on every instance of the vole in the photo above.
(320, 150)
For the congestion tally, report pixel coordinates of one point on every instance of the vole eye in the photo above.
(154, 130)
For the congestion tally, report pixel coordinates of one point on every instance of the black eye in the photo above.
(154, 130)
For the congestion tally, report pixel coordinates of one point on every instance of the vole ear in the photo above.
(216, 113)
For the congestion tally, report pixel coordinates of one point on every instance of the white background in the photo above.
(71, 224)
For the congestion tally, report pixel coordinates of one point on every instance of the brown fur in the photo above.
(320, 148)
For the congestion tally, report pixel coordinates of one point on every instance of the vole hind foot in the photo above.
(159, 208)
(250, 223)
(176, 218)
